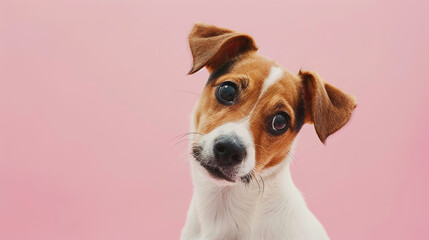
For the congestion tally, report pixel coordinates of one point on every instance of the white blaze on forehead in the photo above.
(275, 75)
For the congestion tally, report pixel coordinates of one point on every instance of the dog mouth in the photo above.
(216, 172)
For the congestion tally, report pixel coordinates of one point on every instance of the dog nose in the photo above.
(228, 150)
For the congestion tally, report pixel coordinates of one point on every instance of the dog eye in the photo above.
(278, 123)
(226, 93)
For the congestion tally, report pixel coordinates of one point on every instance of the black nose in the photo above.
(228, 150)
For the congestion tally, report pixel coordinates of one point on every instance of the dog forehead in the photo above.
(254, 66)
(268, 77)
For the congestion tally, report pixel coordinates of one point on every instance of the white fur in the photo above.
(243, 212)
(275, 75)
(270, 207)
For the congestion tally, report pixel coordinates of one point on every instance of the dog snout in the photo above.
(229, 150)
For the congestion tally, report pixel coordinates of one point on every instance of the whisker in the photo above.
(261, 193)
(189, 92)
(258, 162)
(263, 185)
(259, 186)
(272, 173)
(294, 159)
(186, 134)
(178, 142)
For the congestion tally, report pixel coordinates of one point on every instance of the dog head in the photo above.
(252, 109)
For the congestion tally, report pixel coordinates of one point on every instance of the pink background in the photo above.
(92, 92)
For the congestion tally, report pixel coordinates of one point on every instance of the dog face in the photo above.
(252, 109)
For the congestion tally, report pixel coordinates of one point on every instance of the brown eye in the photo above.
(278, 123)
(226, 93)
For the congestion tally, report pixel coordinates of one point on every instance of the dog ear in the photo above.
(212, 46)
(326, 106)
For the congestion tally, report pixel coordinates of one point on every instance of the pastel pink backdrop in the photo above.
(92, 92)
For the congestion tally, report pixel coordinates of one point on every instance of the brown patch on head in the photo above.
(283, 96)
(248, 74)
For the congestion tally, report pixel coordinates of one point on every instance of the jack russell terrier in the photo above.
(244, 127)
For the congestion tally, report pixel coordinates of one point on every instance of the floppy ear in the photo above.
(212, 46)
(326, 106)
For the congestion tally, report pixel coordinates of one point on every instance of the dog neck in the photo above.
(235, 209)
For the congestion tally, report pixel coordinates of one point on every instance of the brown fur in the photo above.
(212, 46)
(328, 107)
(306, 98)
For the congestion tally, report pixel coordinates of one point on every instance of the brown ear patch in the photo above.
(326, 106)
(212, 46)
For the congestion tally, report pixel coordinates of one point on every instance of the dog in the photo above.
(244, 126)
